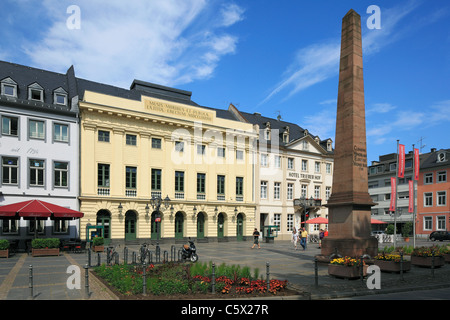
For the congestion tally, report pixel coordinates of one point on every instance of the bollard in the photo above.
(144, 280)
(125, 255)
(213, 279)
(98, 259)
(89, 257)
(108, 256)
(166, 256)
(173, 253)
(316, 273)
(30, 282)
(86, 276)
(432, 263)
(401, 265)
(267, 276)
(133, 258)
(362, 269)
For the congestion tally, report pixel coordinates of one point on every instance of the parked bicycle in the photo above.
(113, 256)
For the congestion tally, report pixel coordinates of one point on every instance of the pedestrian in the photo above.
(256, 239)
(304, 236)
(325, 234)
(294, 238)
(321, 235)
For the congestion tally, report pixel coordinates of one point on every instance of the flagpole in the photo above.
(414, 197)
(395, 201)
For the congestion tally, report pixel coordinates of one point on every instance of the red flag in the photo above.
(411, 196)
(401, 160)
(416, 164)
(393, 194)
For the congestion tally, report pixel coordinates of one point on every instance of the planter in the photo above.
(427, 261)
(392, 266)
(4, 253)
(98, 248)
(447, 257)
(45, 252)
(345, 272)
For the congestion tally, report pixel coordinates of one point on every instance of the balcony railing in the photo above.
(103, 191)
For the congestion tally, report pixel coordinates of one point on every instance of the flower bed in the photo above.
(45, 247)
(4, 248)
(347, 268)
(391, 263)
(427, 257)
(176, 280)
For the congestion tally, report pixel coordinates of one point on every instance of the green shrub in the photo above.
(4, 244)
(98, 241)
(45, 243)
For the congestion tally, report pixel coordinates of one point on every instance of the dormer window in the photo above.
(35, 92)
(329, 147)
(286, 134)
(441, 157)
(60, 96)
(9, 87)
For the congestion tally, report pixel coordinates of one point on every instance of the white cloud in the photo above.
(164, 41)
(318, 62)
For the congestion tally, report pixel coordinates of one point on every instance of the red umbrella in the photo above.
(375, 221)
(318, 220)
(38, 209)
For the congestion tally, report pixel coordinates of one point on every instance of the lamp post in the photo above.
(156, 203)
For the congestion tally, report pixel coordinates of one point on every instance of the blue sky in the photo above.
(273, 57)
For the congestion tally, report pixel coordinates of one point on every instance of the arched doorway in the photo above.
(240, 227)
(200, 225)
(130, 225)
(156, 221)
(104, 219)
(220, 225)
(179, 222)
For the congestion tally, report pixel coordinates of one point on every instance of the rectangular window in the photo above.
(263, 189)
(9, 90)
(220, 185)
(60, 99)
(277, 219)
(10, 171)
(156, 143)
(428, 178)
(221, 152)
(10, 226)
(239, 155)
(10, 126)
(37, 170)
(304, 165)
(277, 162)
(327, 192)
(103, 136)
(131, 140)
(61, 174)
(37, 129)
(239, 186)
(60, 226)
(290, 222)
(328, 168)
(442, 176)
(201, 149)
(290, 163)
(304, 191)
(179, 146)
(131, 177)
(428, 223)
(317, 167)
(179, 181)
(201, 182)
(276, 190)
(441, 198)
(290, 191)
(103, 175)
(36, 94)
(60, 132)
(156, 179)
(441, 225)
(317, 192)
(428, 199)
(264, 160)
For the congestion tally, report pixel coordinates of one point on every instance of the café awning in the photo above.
(38, 209)
(318, 220)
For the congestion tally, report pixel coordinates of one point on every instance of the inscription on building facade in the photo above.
(359, 157)
(176, 110)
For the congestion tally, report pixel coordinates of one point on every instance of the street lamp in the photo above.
(156, 203)
(120, 208)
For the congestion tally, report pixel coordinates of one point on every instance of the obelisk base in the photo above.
(350, 247)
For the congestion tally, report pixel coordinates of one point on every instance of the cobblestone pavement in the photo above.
(50, 274)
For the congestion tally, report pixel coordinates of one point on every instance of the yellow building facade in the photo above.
(154, 142)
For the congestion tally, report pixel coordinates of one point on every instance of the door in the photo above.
(179, 220)
(240, 227)
(104, 219)
(220, 225)
(130, 226)
(200, 226)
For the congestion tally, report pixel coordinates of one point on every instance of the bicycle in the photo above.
(113, 256)
(143, 253)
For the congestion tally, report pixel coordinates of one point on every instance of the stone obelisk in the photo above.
(349, 204)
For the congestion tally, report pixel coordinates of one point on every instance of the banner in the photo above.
(411, 196)
(401, 160)
(393, 194)
(416, 164)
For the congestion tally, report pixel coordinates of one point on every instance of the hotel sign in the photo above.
(304, 176)
(196, 114)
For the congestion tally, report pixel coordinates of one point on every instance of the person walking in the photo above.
(321, 235)
(294, 237)
(256, 238)
(304, 236)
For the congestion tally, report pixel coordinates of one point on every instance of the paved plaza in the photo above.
(50, 274)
